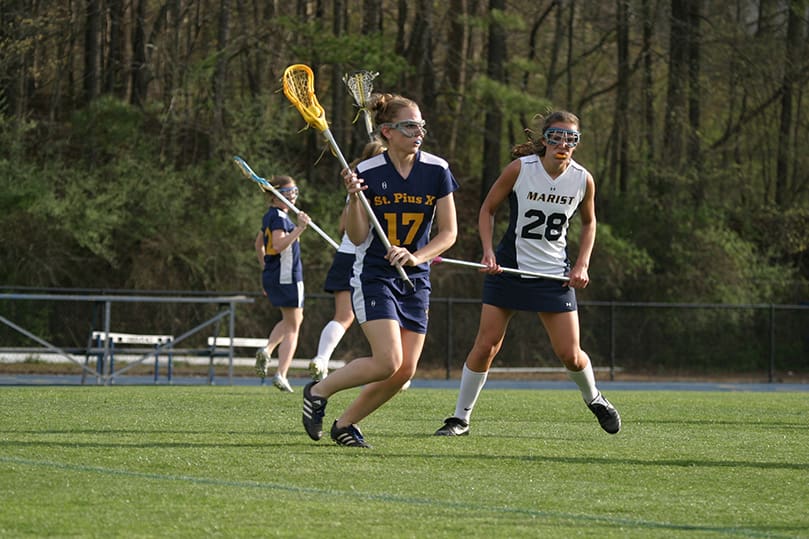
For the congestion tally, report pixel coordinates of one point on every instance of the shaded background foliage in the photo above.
(118, 120)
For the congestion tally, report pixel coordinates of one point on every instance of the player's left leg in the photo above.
(563, 331)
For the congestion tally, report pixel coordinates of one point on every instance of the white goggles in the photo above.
(409, 128)
(556, 135)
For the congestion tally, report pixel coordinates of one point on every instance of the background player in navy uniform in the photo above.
(544, 188)
(279, 254)
(407, 189)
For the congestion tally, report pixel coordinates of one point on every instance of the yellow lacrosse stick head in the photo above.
(299, 87)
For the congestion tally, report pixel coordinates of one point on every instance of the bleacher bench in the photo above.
(156, 343)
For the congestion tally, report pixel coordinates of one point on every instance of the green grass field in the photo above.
(234, 461)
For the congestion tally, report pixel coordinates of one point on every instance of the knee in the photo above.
(481, 355)
(345, 320)
(574, 359)
(387, 364)
(296, 322)
(405, 373)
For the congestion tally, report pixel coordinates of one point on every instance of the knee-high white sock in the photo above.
(586, 381)
(329, 339)
(471, 385)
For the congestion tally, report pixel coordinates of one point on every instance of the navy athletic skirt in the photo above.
(528, 294)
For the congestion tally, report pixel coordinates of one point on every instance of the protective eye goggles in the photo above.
(288, 192)
(409, 128)
(556, 135)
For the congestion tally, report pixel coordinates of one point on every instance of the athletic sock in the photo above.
(471, 385)
(329, 339)
(586, 381)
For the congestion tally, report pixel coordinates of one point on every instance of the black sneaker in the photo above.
(453, 427)
(606, 413)
(348, 436)
(314, 408)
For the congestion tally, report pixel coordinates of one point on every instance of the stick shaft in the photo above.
(380, 232)
(269, 187)
(505, 270)
(369, 126)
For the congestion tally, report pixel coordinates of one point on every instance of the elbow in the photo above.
(355, 238)
(452, 237)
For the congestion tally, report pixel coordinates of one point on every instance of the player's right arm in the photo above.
(497, 194)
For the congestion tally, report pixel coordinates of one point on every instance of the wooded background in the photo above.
(119, 119)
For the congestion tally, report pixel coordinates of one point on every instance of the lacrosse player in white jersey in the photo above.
(544, 187)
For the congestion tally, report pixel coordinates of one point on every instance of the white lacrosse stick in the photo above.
(360, 85)
(439, 260)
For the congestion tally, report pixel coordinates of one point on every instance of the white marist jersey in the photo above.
(541, 208)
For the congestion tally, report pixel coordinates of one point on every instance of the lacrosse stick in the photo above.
(299, 87)
(267, 186)
(439, 260)
(359, 84)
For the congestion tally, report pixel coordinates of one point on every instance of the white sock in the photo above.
(471, 385)
(586, 381)
(329, 339)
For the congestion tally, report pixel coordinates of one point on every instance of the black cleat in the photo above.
(606, 413)
(453, 427)
(349, 436)
(314, 408)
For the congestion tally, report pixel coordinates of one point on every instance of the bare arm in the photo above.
(497, 194)
(579, 274)
(357, 223)
(282, 239)
(260, 248)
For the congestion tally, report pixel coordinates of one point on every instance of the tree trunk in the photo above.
(91, 49)
(677, 78)
(558, 35)
(569, 60)
(419, 54)
(794, 43)
(621, 116)
(493, 123)
(371, 16)
(138, 70)
(113, 74)
(694, 90)
(338, 90)
(401, 24)
(172, 72)
(456, 66)
(12, 72)
(647, 90)
(220, 73)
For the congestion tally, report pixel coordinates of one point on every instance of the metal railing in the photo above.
(104, 371)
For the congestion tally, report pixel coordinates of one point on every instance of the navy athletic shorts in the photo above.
(394, 299)
(339, 276)
(285, 295)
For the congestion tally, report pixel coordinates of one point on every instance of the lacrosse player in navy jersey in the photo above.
(279, 255)
(544, 187)
(407, 189)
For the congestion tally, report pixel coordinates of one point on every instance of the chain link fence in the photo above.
(625, 340)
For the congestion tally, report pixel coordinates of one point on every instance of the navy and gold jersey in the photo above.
(285, 267)
(405, 207)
